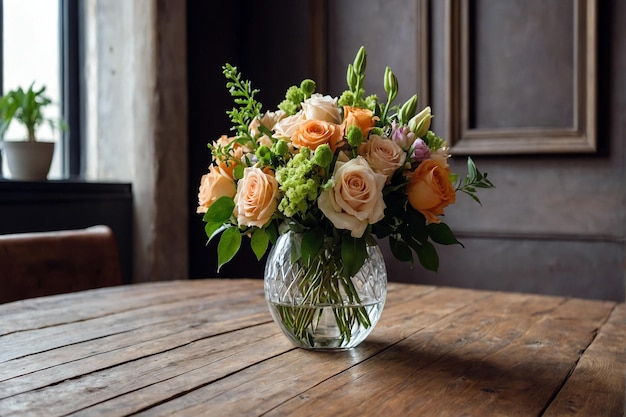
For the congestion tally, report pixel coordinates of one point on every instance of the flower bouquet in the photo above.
(321, 178)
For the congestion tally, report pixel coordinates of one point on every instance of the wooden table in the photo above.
(209, 348)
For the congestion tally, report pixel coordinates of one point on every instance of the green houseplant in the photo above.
(28, 159)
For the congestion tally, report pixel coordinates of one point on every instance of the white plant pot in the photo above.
(28, 161)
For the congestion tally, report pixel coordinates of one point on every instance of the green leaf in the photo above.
(381, 229)
(471, 171)
(400, 250)
(228, 246)
(272, 231)
(220, 211)
(259, 242)
(238, 172)
(211, 229)
(311, 243)
(441, 233)
(428, 257)
(416, 224)
(353, 254)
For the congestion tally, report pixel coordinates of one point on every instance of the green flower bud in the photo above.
(308, 87)
(354, 136)
(391, 84)
(351, 77)
(281, 148)
(264, 154)
(360, 61)
(408, 110)
(420, 123)
(305, 152)
(323, 156)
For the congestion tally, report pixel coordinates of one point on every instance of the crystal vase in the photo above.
(316, 306)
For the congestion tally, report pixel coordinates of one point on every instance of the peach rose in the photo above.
(430, 190)
(257, 197)
(356, 198)
(362, 118)
(229, 160)
(383, 154)
(314, 133)
(217, 183)
(321, 108)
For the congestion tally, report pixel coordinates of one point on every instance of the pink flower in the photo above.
(420, 150)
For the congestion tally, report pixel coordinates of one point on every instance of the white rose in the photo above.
(287, 126)
(269, 120)
(322, 108)
(356, 198)
(383, 154)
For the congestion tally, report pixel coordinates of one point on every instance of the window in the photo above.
(40, 44)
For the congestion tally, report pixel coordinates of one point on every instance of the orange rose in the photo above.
(217, 183)
(430, 190)
(257, 197)
(314, 133)
(362, 118)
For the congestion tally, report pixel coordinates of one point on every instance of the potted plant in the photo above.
(29, 159)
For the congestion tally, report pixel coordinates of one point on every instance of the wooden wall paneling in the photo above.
(463, 89)
(395, 33)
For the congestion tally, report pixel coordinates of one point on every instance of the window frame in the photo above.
(71, 38)
(70, 73)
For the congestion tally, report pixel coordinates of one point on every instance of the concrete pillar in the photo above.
(136, 122)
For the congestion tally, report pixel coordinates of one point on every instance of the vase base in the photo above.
(316, 328)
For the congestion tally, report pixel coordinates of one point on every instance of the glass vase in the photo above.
(316, 306)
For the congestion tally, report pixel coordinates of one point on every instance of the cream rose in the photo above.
(441, 156)
(322, 108)
(383, 154)
(256, 198)
(217, 183)
(356, 198)
(287, 126)
(269, 120)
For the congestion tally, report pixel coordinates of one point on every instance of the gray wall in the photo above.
(555, 224)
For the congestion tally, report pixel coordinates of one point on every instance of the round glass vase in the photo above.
(316, 306)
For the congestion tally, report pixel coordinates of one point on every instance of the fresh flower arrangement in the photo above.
(348, 168)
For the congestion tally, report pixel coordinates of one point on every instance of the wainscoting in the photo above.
(59, 205)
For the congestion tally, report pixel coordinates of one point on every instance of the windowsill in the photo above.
(59, 189)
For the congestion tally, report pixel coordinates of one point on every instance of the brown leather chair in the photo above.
(47, 263)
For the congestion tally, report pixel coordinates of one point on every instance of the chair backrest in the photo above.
(47, 263)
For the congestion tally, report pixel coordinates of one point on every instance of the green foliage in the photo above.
(353, 254)
(474, 179)
(311, 244)
(259, 242)
(295, 95)
(243, 94)
(228, 246)
(300, 183)
(27, 108)
(433, 141)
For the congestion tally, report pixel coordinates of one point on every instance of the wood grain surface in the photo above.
(209, 347)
